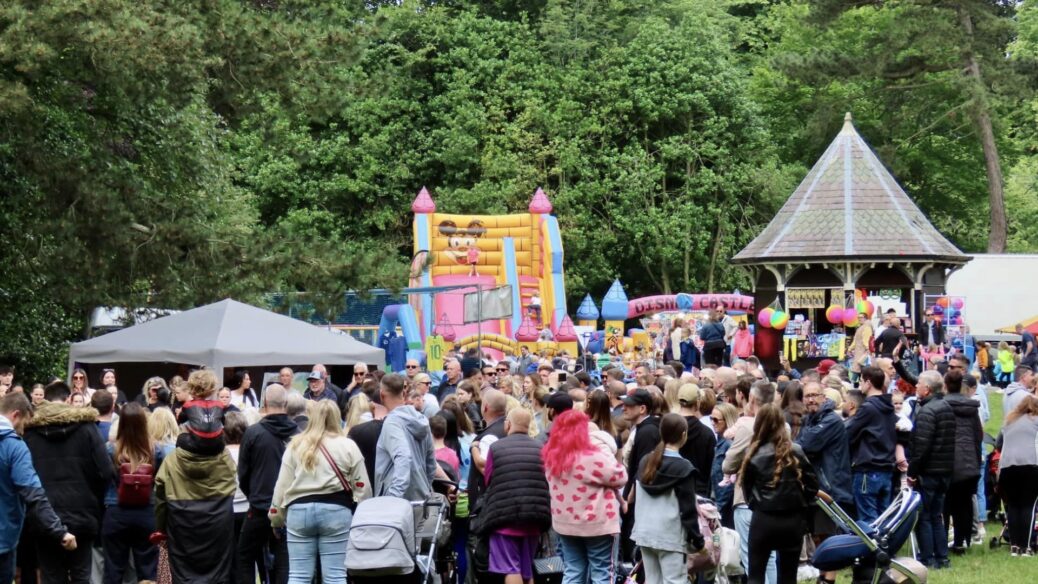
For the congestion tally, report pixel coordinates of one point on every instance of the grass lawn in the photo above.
(982, 564)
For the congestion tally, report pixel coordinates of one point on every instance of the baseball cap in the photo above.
(688, 394)
(315, 375)
(559, 401)
(825, 366)
(422, 378)
(638, 397)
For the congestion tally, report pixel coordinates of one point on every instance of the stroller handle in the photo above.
(825, 496)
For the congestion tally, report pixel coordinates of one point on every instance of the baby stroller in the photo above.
(870, 549)
(395, 540)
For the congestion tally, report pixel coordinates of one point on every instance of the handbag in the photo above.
(549, 567)
(338, 473)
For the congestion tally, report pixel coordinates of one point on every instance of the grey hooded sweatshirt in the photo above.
(1015, 393)
(404, 461)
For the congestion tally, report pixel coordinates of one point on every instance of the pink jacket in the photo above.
(742, 343)
(585, 499)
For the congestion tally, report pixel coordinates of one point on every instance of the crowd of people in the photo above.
(197, 481)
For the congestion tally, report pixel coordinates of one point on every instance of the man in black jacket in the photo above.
(259, 462)
(872, 434)
(645, 435)
(930, 466)
(75, 472)
(699, 446)
(969, 435)
(517, 499)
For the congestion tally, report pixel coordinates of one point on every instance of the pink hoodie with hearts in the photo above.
(585, 501)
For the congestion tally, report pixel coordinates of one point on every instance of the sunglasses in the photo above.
(716, 420)
(503, 370)
(359, 374)
(77, 377)
(408, 366)
(929, 314)
(494, 373)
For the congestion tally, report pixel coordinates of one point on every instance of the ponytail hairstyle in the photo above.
(770, 427)
(673, 430)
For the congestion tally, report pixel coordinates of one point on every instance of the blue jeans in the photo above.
(872, 492)
(317, 529)
(588, 556)
(743, 516)
(929, 531)
(7, 562)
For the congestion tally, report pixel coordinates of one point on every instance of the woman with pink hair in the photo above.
(585, 504)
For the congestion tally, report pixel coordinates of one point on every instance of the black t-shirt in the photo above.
(887, 340)
(699, 450)
(366, 436)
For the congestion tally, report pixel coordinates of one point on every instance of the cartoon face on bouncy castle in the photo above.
(461, 239)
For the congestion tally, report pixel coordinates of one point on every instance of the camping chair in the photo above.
(870, 549)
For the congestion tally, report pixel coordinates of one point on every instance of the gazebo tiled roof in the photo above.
(849, 207)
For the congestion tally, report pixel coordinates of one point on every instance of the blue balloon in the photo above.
(684, 301)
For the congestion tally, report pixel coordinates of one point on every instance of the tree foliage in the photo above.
(172, 153)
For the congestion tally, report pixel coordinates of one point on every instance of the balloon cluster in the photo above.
(949, 309)
(837, 314)
(775, 318)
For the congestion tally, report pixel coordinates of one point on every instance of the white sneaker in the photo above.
(1014, 551)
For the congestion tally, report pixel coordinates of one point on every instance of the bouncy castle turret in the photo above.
(527, 335)
(566, 336)
(614, 307)
(587, 314)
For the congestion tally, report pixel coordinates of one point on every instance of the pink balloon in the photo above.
(850, 317)
(764, 317)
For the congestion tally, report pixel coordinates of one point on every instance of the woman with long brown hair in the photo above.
(128, 524)
(601, 414)
(666, 522)
(779, 483)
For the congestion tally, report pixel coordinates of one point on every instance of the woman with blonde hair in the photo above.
(154, 394)
(358, 410)
(670, 395)
(163, 428)
(322, 479)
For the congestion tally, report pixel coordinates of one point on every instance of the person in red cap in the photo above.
(825, 366)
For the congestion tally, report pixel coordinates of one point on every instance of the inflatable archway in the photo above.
(690, 302)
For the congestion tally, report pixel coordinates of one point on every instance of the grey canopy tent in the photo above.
(225, 334)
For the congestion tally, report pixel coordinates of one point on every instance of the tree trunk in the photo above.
(980, 111)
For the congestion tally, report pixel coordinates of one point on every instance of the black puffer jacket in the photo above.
(933, 440)
(789, 494)
(968, 436)
(73, 465)
(517, 491)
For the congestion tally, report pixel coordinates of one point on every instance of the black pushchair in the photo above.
(869, 549)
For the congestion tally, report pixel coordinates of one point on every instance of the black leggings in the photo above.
(958, 505)
(1019, 486)
(782, 533)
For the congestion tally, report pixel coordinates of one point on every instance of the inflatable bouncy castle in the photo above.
(466, 253)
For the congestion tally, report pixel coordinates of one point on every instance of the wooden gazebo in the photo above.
(847, 227)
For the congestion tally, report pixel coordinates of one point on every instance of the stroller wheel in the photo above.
(994, 543)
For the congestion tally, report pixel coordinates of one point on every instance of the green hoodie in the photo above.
(188, 481)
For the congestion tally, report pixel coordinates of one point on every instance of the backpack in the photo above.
(135, 485)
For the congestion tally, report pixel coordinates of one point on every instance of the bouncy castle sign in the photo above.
(688, 302)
